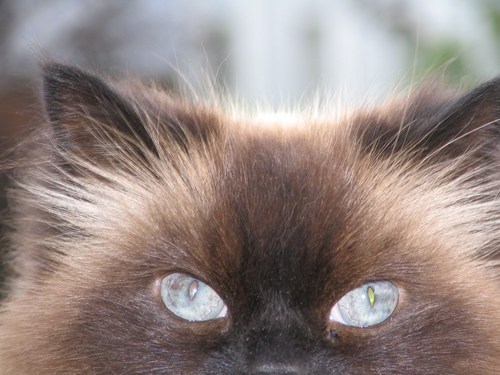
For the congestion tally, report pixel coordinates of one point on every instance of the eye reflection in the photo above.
(368, 305)
(190, 298)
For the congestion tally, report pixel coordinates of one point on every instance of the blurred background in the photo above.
(272, 51)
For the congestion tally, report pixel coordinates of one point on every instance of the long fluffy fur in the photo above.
(125, 184)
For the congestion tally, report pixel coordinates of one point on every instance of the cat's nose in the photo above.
(274, 369)
(278, 346)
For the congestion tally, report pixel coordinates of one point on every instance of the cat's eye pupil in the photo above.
(371, 296)
(193, 288)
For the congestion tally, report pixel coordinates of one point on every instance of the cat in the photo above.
(160, 235)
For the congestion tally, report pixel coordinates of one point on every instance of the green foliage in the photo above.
(446, 56)
(491, 11)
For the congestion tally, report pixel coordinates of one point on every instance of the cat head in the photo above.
(159, 235)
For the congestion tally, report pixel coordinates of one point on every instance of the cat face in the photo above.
(163, 236)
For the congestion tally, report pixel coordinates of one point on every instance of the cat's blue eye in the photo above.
(370, 304)
(190, 298)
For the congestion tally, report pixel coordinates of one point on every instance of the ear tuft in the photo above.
(65, 88)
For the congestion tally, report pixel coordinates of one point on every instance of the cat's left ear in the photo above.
(470, 123)
(433, 126)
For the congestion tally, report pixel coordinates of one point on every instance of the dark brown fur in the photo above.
(124, 184)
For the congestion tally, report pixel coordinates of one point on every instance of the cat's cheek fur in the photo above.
(124, 184)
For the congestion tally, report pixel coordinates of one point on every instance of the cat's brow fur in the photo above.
(123, 183)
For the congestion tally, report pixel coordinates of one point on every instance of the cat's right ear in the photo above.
(91, 118)
(84, 111)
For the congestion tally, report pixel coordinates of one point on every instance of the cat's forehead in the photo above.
(281, 199)
(271, 204)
